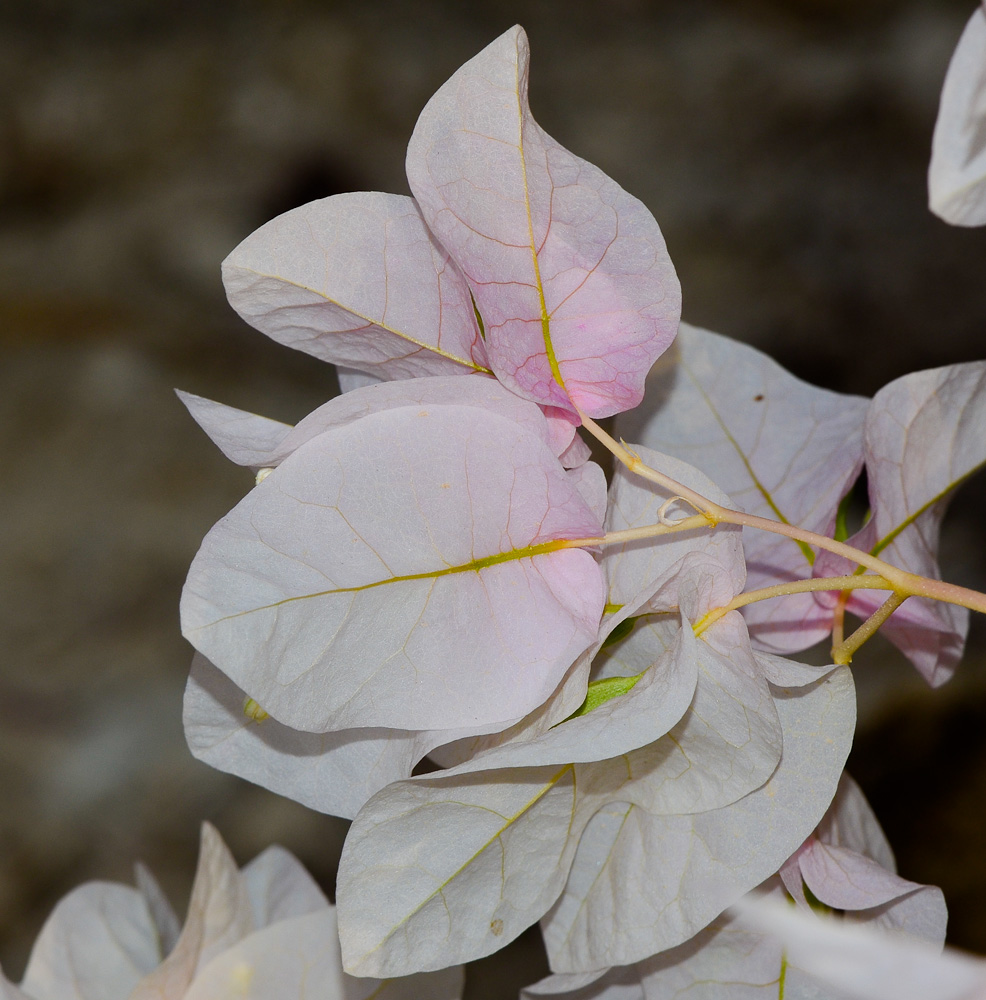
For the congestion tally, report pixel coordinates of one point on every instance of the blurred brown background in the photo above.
(781, 145)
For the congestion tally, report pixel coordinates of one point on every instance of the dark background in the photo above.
(783, 148)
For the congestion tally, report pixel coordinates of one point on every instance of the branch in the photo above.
(902, 583)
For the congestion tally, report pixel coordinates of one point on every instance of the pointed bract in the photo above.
(357, 279)
(569, 272)
(698, 864)
(219, 915)
(244, 438)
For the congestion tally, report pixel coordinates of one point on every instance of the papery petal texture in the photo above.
(509, 818)
(97, 943)
(244, 438)
(957, 174)
(343, 591)
(698, 864)
(923, 437)
(644, 580)
(334, 773)
(280, 888)
(484, 847)
(448, 867)
(780, 448)
(357, 279)
(506, 838)
(569, 272)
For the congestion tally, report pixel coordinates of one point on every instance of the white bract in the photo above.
(265, 932)
(847, 865)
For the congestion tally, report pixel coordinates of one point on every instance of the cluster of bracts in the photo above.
(432, 566)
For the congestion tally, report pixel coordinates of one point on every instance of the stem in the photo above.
(634, 464)
(839, 620)
(853, 582)
(634, 534)
(843, 652)
(904, 583)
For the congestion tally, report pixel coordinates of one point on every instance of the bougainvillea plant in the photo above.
(597, 667)
(545, 691)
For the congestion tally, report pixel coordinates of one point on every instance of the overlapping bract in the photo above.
(515, 255)
(626, 829)
(569, 272)
(785, 450)
(781, 448)
(847, 866)
(923, 437)
(357, 279)
(341, 592)
(264, 933)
